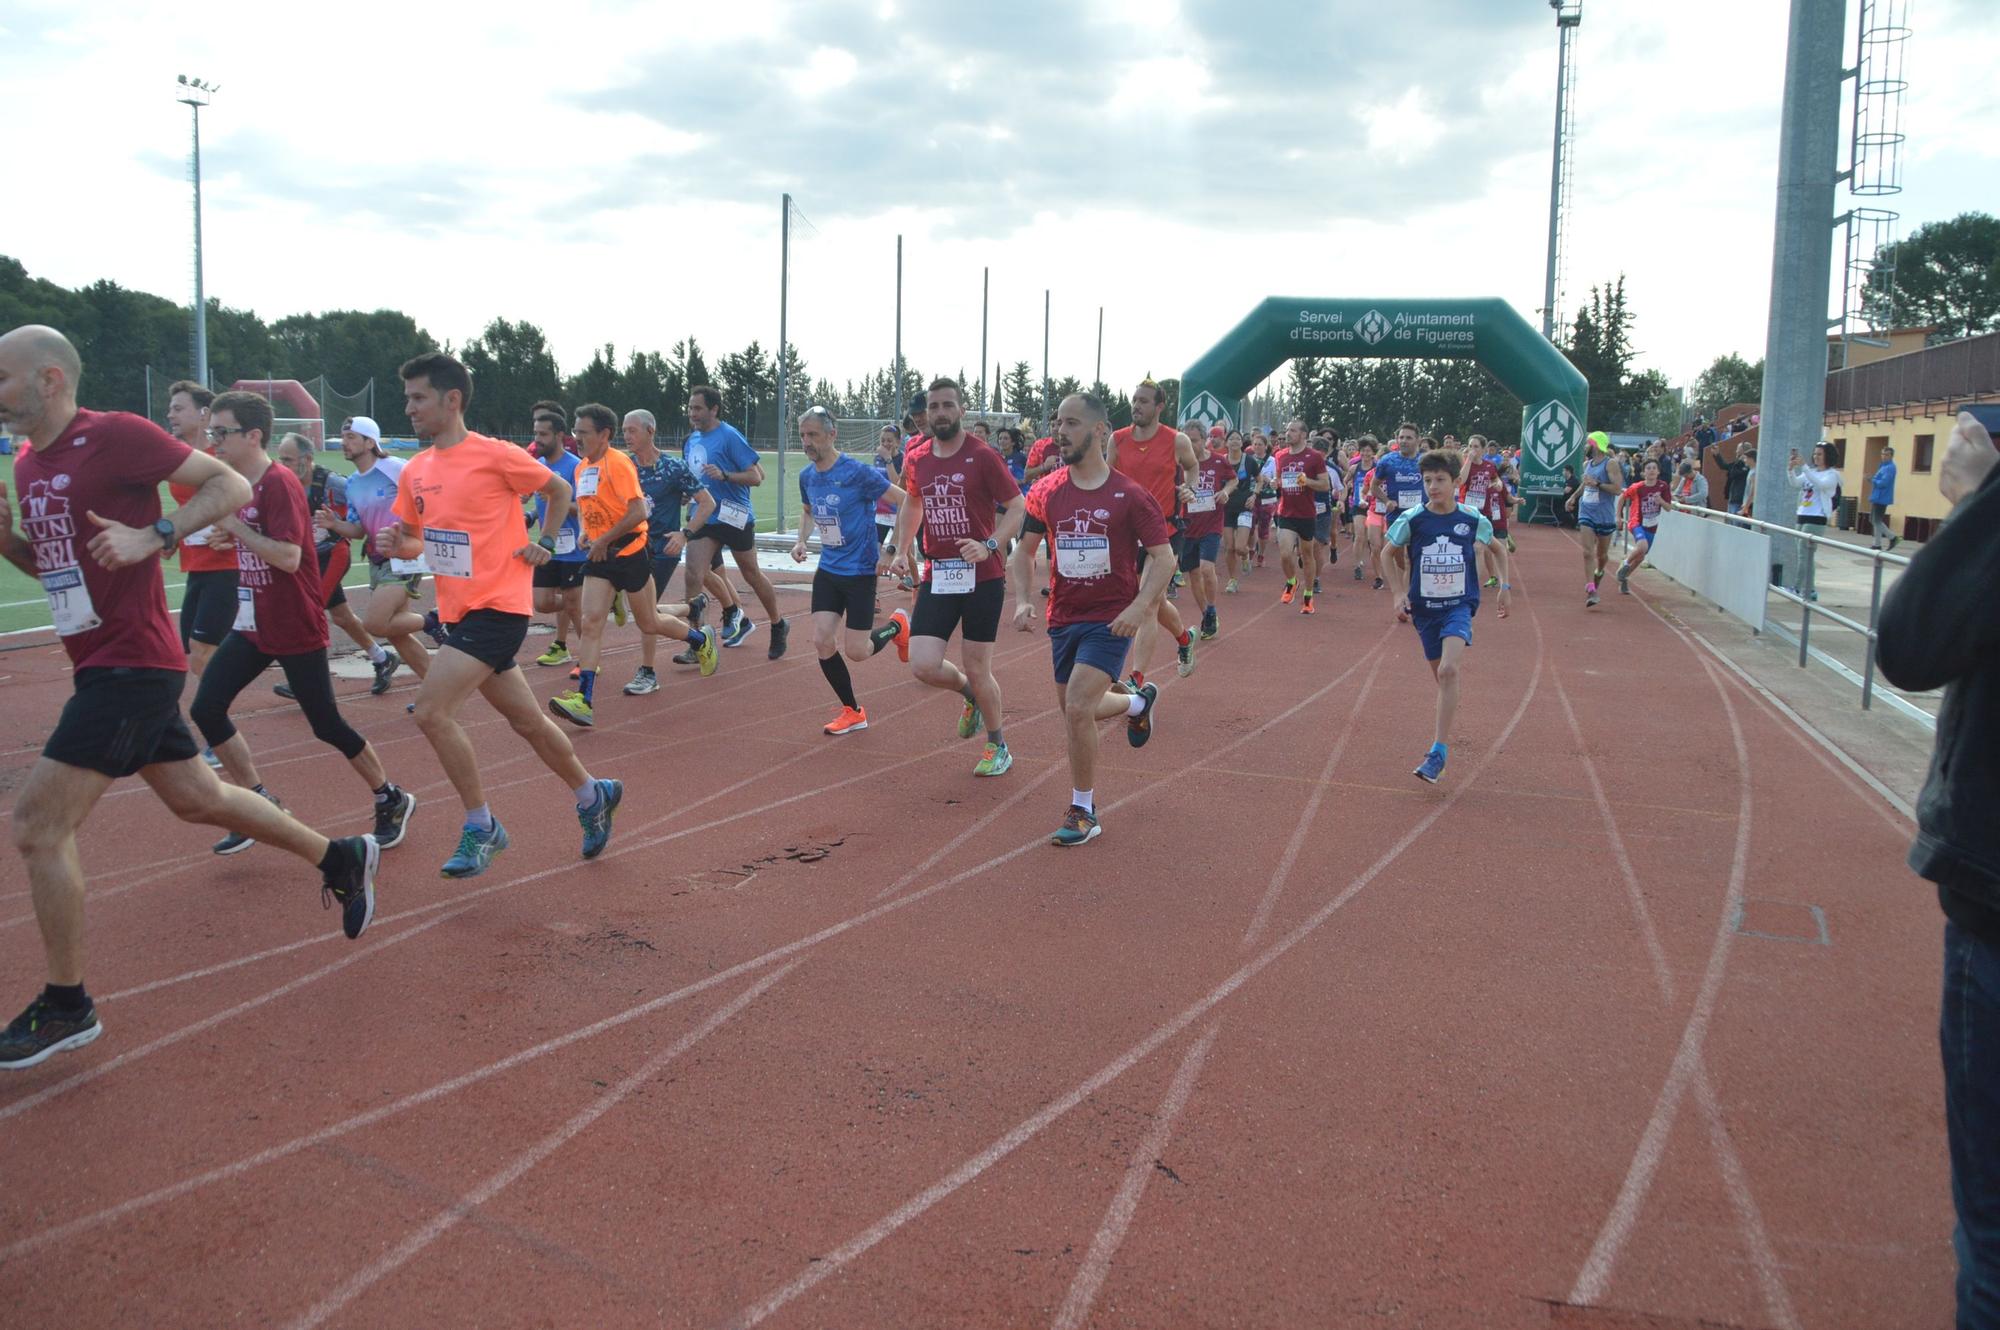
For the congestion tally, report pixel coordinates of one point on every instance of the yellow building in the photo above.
(1906, 396)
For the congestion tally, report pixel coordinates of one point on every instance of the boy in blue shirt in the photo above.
(1443, 593)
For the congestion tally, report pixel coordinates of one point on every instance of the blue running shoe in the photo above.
(434, 628)
(733, 634)
(596, 819)
(476, 849)
(1431, 768)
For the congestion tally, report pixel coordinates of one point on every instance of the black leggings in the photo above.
(236, 665)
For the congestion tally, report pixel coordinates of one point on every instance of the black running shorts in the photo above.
(975, 616)
(491, 637)
(629, 573)
(121, 719)
(208, 607)
(852, 596)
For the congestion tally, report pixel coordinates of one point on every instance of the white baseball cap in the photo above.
(363, 426)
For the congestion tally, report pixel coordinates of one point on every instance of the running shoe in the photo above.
(1511, 548)
(902, 621)
(285, 691)
(1209, 626)
(576, 671)
(1357, 572)
(434, 628)
(385, 670)
(781, 633)
(1590, 596)
(733, 634)
(1430, 768)
(1624, 581)
(994, 761)
(1184, 657)
(352, 883)
(1315, 588)
(1139, 728)
(392, 819)
(1286, 599)
(687, 655)
(1173, 591)
(1492, 581)
(1308, 607)
(557, 654)
(1078, 828)
(1378, 584)
(596, 819)
(1332, 556)
(234, 842)
(42, 1031)
(214, 762)
(475, 850)
(1231, 588)
(1893, 542)
(848, 721)
(696, 608)
(968, 720)
(645, 681)
(572, 708)
(618, 611)
(705, 654)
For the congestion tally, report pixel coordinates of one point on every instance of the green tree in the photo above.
(1728, 379)
(512, 369)
(1945, 274)
(599, 381)
(749, 384)
(1022, 392)
(350, 350)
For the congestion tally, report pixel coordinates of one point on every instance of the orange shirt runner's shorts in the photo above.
(465, 502)
(604, 491)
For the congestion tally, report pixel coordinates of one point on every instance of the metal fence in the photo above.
(1969, 367)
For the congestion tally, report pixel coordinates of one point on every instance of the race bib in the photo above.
(198, 537)
(449, 553)
(565, 541)
(1290, 481)
(830, 535)
(69, 602)
(1202, 503)
(1245, 520)
(246, 610)
(1083, 556)
(1407, 500)
(586, 483)
(733, 514)
(953, 577)
(409, 567)
(1441, 576)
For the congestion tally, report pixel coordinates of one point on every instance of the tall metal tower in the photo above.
(1569, 16)
(1874, 171)
(195, 94)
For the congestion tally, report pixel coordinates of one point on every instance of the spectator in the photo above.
(1013, 453)
(1704, 434)
(1881, 496)
(1566, 511)
(1691, 487)
(1938, 630)
(1736, 480)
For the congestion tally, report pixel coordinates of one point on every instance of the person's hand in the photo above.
(675, 543)
(799, 552)
(1024, 616)
(1403, 608)
(119, 546)
(222, 539)
(1129, 621)
(534, 555)
(898, 566)
(600, 549)
(1186, 493)
(1968, 456)
(973, 551)
(324, 519)
(712, 471)
(389, 541)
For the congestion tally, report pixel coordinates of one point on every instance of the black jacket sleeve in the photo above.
(1942, 618)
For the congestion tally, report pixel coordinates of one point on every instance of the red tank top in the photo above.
(1151, 463)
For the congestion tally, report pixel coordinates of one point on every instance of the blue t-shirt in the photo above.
(569, 541)
(1402, 481)
(1444, 562)
(725, 449)
(371, 501)
(667, 485)
(840, 502)
(1882, 489)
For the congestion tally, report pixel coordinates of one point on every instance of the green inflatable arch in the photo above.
(1554, 395)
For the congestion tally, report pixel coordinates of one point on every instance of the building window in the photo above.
(1920, 452)
(1839, 450)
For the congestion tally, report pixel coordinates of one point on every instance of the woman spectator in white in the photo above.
(1819, 491)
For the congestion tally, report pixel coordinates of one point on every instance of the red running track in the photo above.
(830, 1036)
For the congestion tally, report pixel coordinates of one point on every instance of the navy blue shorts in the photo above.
(1198, 550)
(1323, 527)
(1593, 525)
(1434, 626)
(1646, 534)
(1092, 644)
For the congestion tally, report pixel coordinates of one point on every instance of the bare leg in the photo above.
(1446, 670)
(1086, 701)
(343, 617)
(454, 677)
(767, 595)
(193, 793)
(509, 694)
(978, 661)
(52, 805)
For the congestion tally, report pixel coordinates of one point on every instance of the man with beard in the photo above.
(371, 500)
(1161, 460)
(559, 582)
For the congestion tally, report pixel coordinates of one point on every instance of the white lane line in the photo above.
(1125, 1203)
(448, 1218)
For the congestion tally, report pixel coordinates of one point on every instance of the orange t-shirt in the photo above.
(604, 490)
(465, 501)
(196, 556)
(1152, 463)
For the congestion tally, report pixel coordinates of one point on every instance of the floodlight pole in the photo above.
(1048, 407)
(784, 291)
(1569, 16)
(195, 94)
(985, 289)
(896, 390)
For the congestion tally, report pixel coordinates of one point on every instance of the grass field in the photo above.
(24, 609)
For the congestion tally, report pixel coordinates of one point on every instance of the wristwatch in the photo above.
(548, 543)
(164, 529)
(992, 545)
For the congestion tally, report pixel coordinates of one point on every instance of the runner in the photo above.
(969, 506)
(92, 534)
(1399, 483)
(614, 530)
(1325, 552)
(728, 467)
(1158, 457)
(371, 498)
(559, 582)
(668, 485)
(1099, 600)
(1595, 508)
(837, 497)
(1266, 498)
(1211, 486)
(1302, 473)
(1237, 519)
(1443, 593)
(1373, 527)
(1022, 576)
(1641, 504)
(328, 489)
(208, 598)
(460, 506)
(1484, 490)
(279, 617)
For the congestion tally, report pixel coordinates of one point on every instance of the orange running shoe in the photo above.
(902, 620)
(848, 721)
(1309, 606)
(1286, 599)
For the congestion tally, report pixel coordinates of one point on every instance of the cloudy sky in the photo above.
(612, 171)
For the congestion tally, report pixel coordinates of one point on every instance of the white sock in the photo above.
(1084, 799)
(376, 654)
(1134, 705)
(586, 794)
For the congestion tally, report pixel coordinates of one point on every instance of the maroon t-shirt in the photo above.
(1210, 478)
(290, 618)
(962, 496)
(1294, 499)
(1094, 539)
(111, 464)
